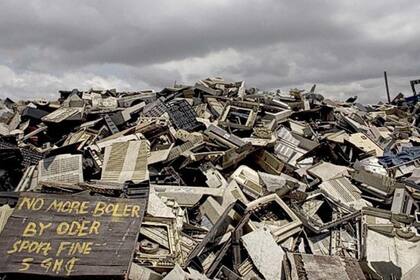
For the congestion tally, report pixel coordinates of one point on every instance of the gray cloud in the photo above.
(343, 46)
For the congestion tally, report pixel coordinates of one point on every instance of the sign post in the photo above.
(64, 235)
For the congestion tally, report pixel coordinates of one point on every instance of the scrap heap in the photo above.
(233, 182)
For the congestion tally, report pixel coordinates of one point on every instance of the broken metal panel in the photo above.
(268, 162)
(82, 136)
(273, 213)
(33, 113)
(326, 171)
(365, 144)
(122, 117)
(280, 184)
(129, 100)
(160, 244)
(249, 180)
(380, 184)
(403, 202)
(214, 178)
(266, 255)
(402, 255)
(29, 156)
(182, 114)
(73, 101)
(178, 274)
(261, 142)
(108, 141)
(288, 147)
(64, 168)
(212, 211)
(40, 129)
(337, 137)
(248, 271)
(111, 125)
(301, 128)
(126, 161)
(62, 114)
(159, 155)
(318, 213)
(238, 117)
(166, 176)
(382, 221)
(213, 207)
(218, 229)
(180, 149)
(157, 208)
(100, 102)
(371, 164)
(304, 266)
(138, 272)
(413, 273)
(232, 193)
(186, 195)
(233, 156)
(320, 244)
(226, 273)
(201, 86)
(218, 134)
(280, 116)
(343, 191)
(215, 106)
(187, 245)
(29, 180)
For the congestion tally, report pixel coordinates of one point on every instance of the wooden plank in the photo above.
(67, 235)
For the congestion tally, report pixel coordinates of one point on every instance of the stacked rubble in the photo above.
(239, 183)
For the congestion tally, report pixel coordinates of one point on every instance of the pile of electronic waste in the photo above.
(211, 181)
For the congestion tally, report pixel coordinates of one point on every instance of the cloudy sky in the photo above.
(342, 46)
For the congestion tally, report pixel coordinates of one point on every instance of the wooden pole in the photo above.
(387, 88)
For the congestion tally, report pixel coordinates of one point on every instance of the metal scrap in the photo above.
(234, 182)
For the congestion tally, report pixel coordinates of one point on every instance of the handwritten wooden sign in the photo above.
(66, 235)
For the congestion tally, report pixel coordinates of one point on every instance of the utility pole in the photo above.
(387, 88)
